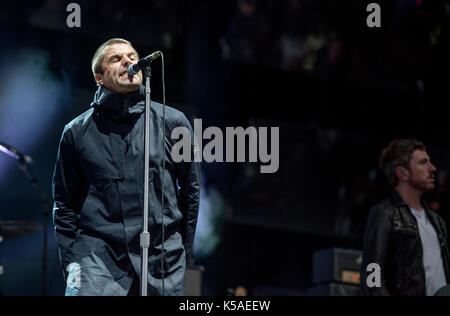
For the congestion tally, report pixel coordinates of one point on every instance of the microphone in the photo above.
(15, 153)
(144, 62)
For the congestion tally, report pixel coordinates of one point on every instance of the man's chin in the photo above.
(129, 81)
(123, 91)
(428, 188)
(132, 87)
(424, 187)
(127, 88)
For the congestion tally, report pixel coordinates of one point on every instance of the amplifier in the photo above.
(337, 265)
(334, 289)
(193, 280)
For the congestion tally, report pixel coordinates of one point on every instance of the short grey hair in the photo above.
(99, 55)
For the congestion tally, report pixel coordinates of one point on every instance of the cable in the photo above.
(163, 172)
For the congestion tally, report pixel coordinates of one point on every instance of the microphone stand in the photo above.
(145, 235)
(46, 211)
(23, 160)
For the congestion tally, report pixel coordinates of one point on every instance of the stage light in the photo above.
(31, 96)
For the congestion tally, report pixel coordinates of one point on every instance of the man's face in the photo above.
(421, 172)
(117, 58)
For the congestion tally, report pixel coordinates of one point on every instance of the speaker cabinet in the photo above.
(334, 289)
(337, 265)
(193, 281)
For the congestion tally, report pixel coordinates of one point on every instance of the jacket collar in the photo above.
(118, 106)
(397, 199)
(399, 202)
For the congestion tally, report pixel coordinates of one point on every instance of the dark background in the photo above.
(338, 90)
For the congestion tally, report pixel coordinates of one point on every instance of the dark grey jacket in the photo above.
(392, 240)
(98, 194)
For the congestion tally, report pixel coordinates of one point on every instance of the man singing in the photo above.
(403, 236)
(98, 188)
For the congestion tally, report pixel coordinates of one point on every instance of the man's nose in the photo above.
(126, 61)
(432, 167)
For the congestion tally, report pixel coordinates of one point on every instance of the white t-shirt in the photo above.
(432, 257)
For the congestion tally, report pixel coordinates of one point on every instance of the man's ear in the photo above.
(99, 79)
(402, 173)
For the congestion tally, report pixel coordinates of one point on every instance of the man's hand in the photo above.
(73, 279)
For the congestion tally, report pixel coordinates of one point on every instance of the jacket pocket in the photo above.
(107, 189)
(407, 232)
(172, 263)
(405, 229)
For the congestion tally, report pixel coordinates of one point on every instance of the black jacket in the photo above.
(392, 240)
(98, 191)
